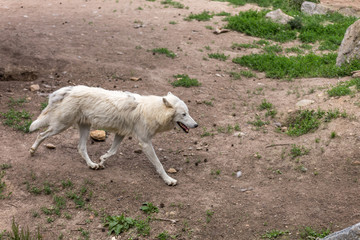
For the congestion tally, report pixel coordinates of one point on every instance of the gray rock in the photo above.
(311, 8)
(304, 102)
(350, 45)
(348, 11)
(278, 16)
(350, 233)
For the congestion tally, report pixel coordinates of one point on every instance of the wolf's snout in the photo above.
(196, 125)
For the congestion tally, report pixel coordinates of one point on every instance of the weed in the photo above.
(165, 51)
(35, 190)
(294, 50)
(209, 27)
(143, 227)
(119, 224)
(273, 49)
(5, 166)
(271, 112)
(173, 3)
(216, 172)
(78, 200)
(304, 121)
(60, 202)
(297, 151)
(265, 105)
(50, 219)
(274, 234)
(46, 211)
(223, 14)
(240, 46)
(206, 133)
(343, 88)
(204, 16)
(333, 135)
(85, 234)
(208, 103)
(306, 46)
(16, 102)
(149, 208)
(258, 122)
(310, 233)
(207, 48)
(67, 183)
(18, 120)
(3, 186)
(248, 74)
(163, 236)
(184, 80)
(218, 56)
(209, 215)
(172, 22)
(23, 234)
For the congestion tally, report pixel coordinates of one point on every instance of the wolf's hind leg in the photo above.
(112, 151)
(51, 131)
(84, 130)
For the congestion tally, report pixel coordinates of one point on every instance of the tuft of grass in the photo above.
(304, 121)
(163, 236)
(209, 215)
(164, 51)
(343, 88)
(203, 16)
(18, 233)
(297, 151)
(258, 122)
(18, 120)
(265, 105)
(240, 46)
(5, 166)
(173, 3)
(273, 49)
(274, 234)
(218, 56)
(149, 208)
(309, 65)
(183, 80)
(223, 13)
(310, 233)
(119, 224)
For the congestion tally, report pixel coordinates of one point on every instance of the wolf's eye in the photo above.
(184, 114)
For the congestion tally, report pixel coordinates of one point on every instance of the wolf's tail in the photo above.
(54, 98)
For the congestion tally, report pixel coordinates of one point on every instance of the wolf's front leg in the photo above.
(151, 155)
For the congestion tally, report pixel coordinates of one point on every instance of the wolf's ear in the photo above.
(166, 102)
(169, 93)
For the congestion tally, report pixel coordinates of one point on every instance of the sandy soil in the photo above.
(105, 43)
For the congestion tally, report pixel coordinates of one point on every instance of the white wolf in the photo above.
(123, 113)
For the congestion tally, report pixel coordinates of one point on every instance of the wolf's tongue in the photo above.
(183, 127)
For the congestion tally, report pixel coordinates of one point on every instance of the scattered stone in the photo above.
(50, 146)
(220, 30)
(311, 8)
(284, 129)
(356, 163)
(304, 102)
(239, 134)
(238, 174)
(350, 45)
(135, 79)
(348, 11)
(350, 233)
(278, 124)
(355, 74)
(98, 135)
(279, 16)
(34, 87)
(171, 170)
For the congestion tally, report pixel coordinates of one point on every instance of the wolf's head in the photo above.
(181, 117)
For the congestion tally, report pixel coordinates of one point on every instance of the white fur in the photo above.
(123, 113)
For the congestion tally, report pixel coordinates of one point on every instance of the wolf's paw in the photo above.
(32, 151)
(94, 166)
(170, 181)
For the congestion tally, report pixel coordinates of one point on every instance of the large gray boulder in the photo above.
(311, 8)
(279, 16)
(350, 45)
(350, 233)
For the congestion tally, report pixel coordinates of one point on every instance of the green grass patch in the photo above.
(173, 4)
(273, 49)
(203, 16)
(218, 56)
(328, 29)
(164, 51)
(149, 208)
(305, 121)
(120, 224)
(297, 151)
(310, 233)
(273, 234)
(343, 88)
(240, 46)
(183, 80)
(309, 65)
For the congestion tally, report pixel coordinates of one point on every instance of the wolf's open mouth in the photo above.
(183, 127)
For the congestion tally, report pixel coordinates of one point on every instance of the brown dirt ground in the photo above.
(95, 43)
